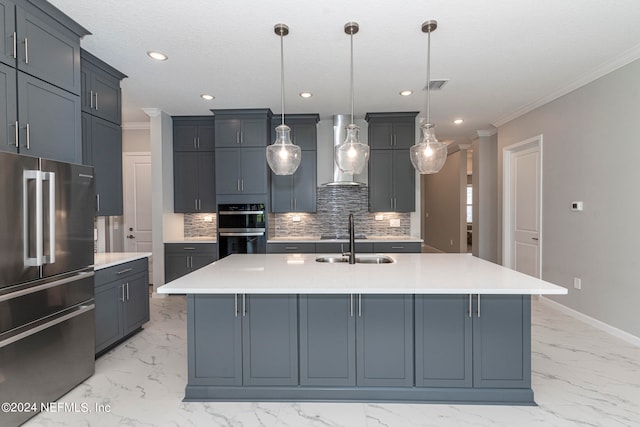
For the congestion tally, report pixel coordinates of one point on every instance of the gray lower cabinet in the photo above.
(291, 247)
(121, 302)
(183, 258)
(482, 343)
(247, 340)
(397, 247)
(339, 247)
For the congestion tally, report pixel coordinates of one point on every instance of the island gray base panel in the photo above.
(478, 396)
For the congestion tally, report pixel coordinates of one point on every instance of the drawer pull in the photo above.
(397, 247)
(291, 248)
(189, 248)
(126, 270)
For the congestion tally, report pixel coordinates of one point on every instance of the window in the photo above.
(469, 204)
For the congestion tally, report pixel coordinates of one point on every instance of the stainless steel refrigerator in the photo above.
(47, 320)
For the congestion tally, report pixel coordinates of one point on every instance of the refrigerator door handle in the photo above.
(32, 175)
(51, 177)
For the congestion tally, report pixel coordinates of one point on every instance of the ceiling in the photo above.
(502, 57)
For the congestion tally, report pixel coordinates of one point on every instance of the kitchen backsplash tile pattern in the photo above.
(331, 218)
(200, 225)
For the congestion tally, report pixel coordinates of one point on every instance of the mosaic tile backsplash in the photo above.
(331, 218)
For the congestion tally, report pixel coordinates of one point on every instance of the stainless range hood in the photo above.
(340, 123)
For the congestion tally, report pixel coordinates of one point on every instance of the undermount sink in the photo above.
(373, 259)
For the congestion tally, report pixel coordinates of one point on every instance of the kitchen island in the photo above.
(425, 328)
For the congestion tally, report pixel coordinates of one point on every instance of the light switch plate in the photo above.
(577, 206)
(379, 217)
(394, 223)
(296, 218)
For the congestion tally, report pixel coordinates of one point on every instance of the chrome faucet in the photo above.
(352, 242)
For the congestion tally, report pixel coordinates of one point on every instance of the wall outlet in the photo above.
(577, 283)
(296, 218)
(208, 218)
(394, 223)
(577, 206)
(379, 217)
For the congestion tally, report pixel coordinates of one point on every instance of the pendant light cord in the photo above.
(429, 77)
(351, 37)
(282, 74)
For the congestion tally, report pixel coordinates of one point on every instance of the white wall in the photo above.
(485, 201)
(590, 154)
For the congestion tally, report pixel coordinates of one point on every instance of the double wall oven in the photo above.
(241, 229)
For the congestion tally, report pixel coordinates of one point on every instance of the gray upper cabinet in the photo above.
(297, 192)
(193, 133)
(7, 28)
(101, 95)
(250, 339)
(49, 121)
(391, 175)
(105, 155)
(193, 164)
(101, 131)
(240, 139)
(391, 181)
(8, 111)
(391, 130)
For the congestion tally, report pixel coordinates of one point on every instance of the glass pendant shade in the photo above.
(283, 156)
(429, 155)
(352, 156)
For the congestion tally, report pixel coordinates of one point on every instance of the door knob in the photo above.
(131, 236)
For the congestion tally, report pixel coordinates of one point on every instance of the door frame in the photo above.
(507, 201)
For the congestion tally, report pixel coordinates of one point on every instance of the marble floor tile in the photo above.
(581, 376)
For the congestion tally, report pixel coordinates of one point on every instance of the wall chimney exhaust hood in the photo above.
(340, 123)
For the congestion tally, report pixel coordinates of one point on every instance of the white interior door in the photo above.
(523, 210)
(137, 204)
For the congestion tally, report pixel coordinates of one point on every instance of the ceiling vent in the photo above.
(436, 84)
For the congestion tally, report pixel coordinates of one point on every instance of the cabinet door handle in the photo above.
(470, 302)
(91, 99)
(238, 185)
(195, 204)
(195, 144)
(98, 202)
(359, 305)
(198, 143)
(242, 185)
(123, 292)
(237, 137)
(15, 45)
(295, 204)
(26, 50)
(244, 305)
(351, 304)
(199, 204)
(17, 133)
(241, 137)
(187, 261)
(391, 203)
(127, 291)
(96, 100)
(235, 304)
(28, 137)
(478, 305)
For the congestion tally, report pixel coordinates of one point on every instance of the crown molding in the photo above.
(152, 112)
(620, 61)
(487, 132)
(136, 126)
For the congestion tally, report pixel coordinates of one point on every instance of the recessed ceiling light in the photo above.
(406, 92)
(306, 94)
(458, 121)
(158, 56)
(207, 96)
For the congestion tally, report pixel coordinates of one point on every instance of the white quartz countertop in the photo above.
(410, 274)
(317, 239)
(109, 259)
(201, 239)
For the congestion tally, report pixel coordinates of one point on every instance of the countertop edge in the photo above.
(109, 259)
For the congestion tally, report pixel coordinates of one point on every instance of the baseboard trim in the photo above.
(611, 330)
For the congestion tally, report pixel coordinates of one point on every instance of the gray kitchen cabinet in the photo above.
(444, 346)
(101, 131)
(291, 247)
(100, 88)
(49, 121)
(241, 170)
(327, 340)
(102, 142)
(183, 258)
(339, 247)
(502, 341)
(391, 130)
(193, 133)
(297, 192)
(194, 182)
(121, 302)
(7, 27)
(247, 128)
(246, 340)
(482, 343)
(304, 131)
(391, 181)
(8, 110)
(384, 344)
(397, 247)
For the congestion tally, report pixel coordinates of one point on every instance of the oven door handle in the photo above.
(240, 234)
(245, 213)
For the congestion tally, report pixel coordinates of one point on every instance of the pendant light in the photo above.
(283, 156)
(351, 156)
(429, 155)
